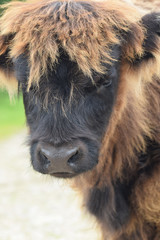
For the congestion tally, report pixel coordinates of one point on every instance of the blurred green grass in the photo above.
(12, 116)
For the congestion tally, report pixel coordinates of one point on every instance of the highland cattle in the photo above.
(89, 72)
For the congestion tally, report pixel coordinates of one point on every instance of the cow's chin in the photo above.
(64, 175)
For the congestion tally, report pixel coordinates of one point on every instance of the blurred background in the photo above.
(12, 117)
(33, 206)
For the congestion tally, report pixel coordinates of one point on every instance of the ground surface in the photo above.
(36, 207)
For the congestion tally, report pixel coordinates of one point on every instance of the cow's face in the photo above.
(67, 115)
(68, 112)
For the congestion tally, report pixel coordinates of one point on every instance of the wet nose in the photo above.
(58, 160)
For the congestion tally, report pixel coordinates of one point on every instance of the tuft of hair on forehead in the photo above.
(85, 30)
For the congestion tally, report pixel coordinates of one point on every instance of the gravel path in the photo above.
(36, 207)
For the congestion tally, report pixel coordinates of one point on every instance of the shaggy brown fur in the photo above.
(136, 117)
(87, 39)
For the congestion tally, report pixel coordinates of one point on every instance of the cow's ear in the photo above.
(148, 62)
(7, 76)
(151, 23)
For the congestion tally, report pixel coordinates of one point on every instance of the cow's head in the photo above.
(68, 59)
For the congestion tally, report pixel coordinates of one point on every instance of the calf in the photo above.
(90, 77)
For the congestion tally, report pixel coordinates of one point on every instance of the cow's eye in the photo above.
(103, 81)
(104, 85)
(107, 83)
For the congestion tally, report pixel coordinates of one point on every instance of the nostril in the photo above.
(73, 159)
(43, 158)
